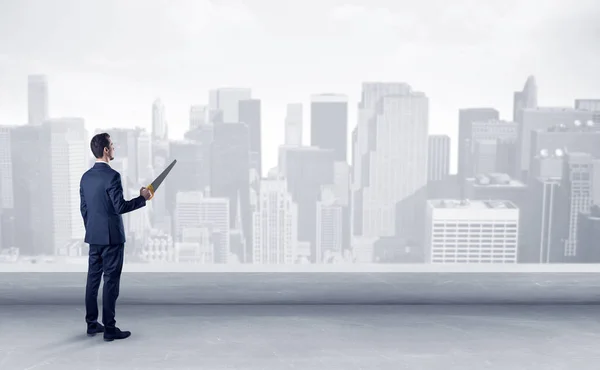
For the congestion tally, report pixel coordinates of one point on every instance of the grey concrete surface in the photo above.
(306, 337)
(311, 288)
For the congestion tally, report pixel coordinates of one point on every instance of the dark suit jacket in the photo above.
(102, 205)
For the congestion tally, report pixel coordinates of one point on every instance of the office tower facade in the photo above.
(194, 210)
(230, 169)
(308, 169)
(543, 119)
(580, 171)
(438, 158)
(159, 121)
(329, 123)
(30, 149)
(466, 118)
(249, 113)
(330, 226)
(364, 145)
(275, 224)
(198, 116)
(293, 124)
(226, 101)
(525, 99)
(69, 150)
(460, 231)
(479, 149)
(397, 164)
(37, 99)
(548, 209)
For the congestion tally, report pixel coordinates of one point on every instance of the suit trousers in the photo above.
(107, 260)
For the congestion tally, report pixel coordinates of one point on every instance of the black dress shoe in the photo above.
(95, 329)
(116, 333)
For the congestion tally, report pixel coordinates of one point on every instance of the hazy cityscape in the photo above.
(525, 190)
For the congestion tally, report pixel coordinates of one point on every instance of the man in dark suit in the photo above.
(102, 205)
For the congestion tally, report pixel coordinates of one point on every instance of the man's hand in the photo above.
(144, 192)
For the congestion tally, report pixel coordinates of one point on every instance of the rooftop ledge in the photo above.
(150, 284)
(311, 268)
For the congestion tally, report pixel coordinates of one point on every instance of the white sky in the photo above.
(108, 60)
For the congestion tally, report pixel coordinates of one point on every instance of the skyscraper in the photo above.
(69, 150)
(159, 122)
(230, 171)
(398, 162)
(329, 123)
(364, 146)
(525, 99)
(293, 125)
(543, 118)
(275, 224)
(37, 99)
(466, 118)
(249, 113)
(438, 159)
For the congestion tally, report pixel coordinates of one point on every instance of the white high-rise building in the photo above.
(293, 125)
(69, 148)
(194, 210)
(159, 121)
(471, 231)
(37, 99)
(364, 138)
(227, 101)
(329, 224)
(275, 224)
(397, 159)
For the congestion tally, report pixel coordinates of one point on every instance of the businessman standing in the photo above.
(102, 205)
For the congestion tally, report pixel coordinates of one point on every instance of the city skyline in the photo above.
(460, 59)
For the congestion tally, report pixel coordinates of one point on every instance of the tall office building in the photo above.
(37, 99)
(471, 231)
(308, 169)
(159, 121)
(397, 163)
(364, 145)
(230, 171)
(478, 148)
(249, 113)
(275, 224)
(548, 208)
(542, 119)
(329, 123)
(293, 125)
(466, 118)
(330, 225)
(581, 170)
(438, 158)
(69, 150)
(525, 99)
(226, 101)
(30, 149)
(194, 210)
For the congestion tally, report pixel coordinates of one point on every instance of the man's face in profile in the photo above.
(111, 150)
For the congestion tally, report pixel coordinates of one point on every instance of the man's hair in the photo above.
(98, 143)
